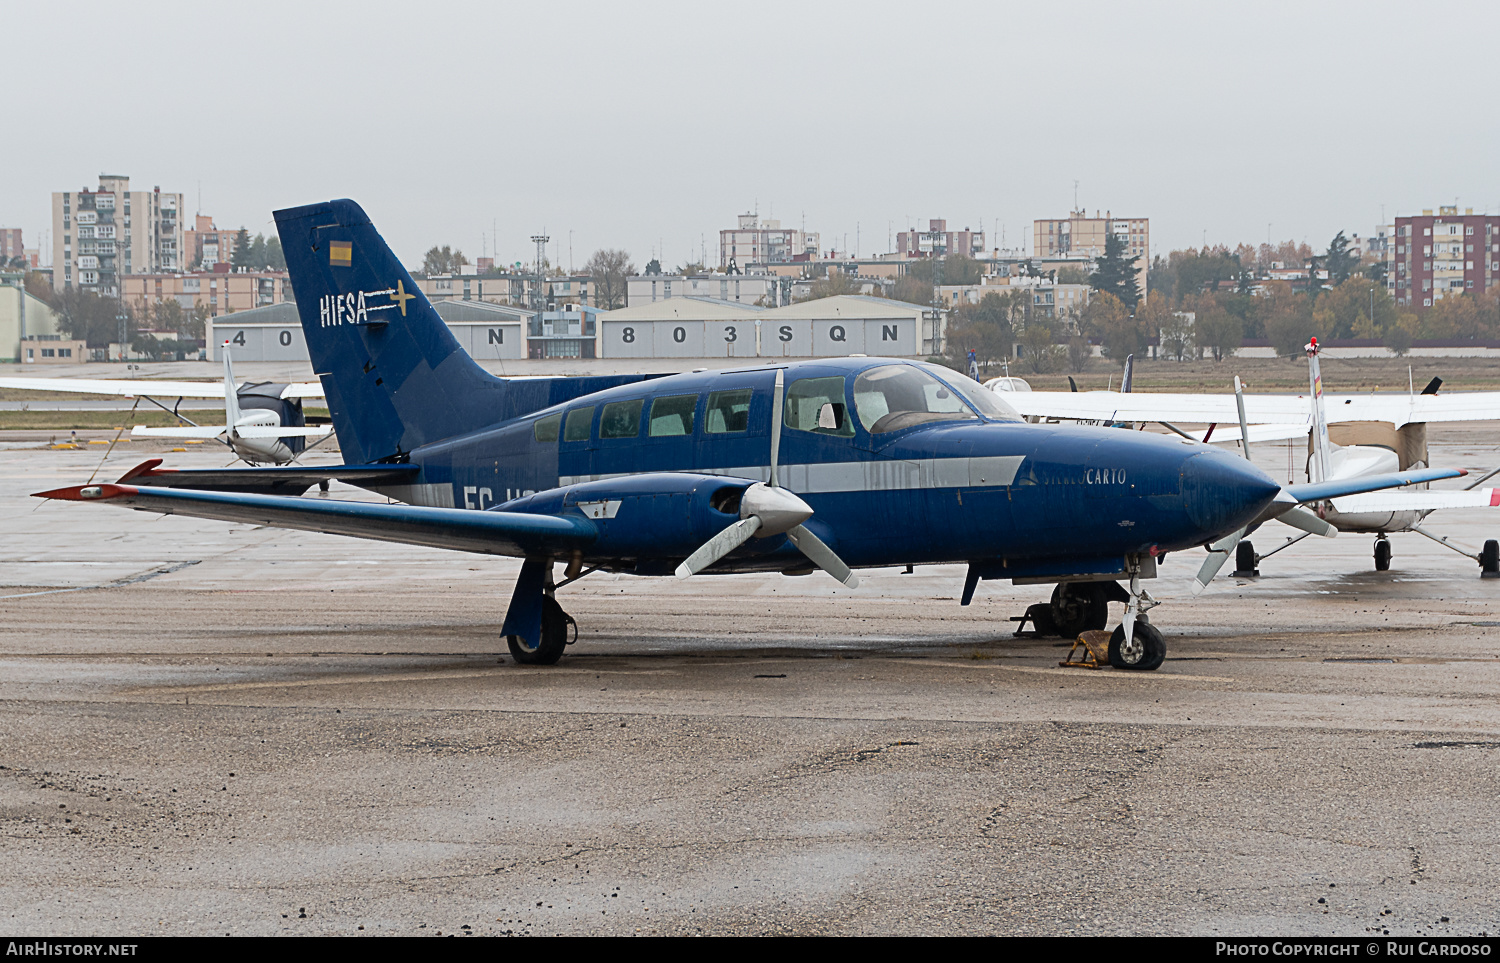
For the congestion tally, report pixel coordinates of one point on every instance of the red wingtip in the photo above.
(87, 493)
(1463, 471)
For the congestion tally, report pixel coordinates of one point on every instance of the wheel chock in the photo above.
(1095, 645)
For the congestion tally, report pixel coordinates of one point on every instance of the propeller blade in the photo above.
(717, 547)
(822, 556)
(1218, 554)
(776, 403)
(1307, 521)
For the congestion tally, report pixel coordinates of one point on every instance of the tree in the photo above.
(1072, 274)
(1110, 320)
(1156, 318)
(1340, 261)
(1042, 352)
(653, 267)
(443, 260)
(89, 317)
(196, 325)
(832, 285)
(691, 268)
(1114, 273)
(1219, 333)
(167, 315)
(241, 257)
(1289, 322)
(608, 270)
(956, 269)
(912, 290)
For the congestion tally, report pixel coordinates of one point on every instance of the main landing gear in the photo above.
(536, 628)
(1488, 557)
(1079, 607)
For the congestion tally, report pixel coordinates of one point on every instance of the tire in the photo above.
(1078, 608)
(1489, 560)
(1040, 615)
(1151, 648)
(555, 624)
(1244, 559)
(1382, 555)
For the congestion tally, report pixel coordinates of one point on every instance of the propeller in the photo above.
(767, 509)
(1283, 508)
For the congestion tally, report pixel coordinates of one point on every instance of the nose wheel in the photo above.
(1145, 650)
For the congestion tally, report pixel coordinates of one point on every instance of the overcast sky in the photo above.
(649, 127)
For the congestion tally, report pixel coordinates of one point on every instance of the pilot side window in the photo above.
(621, 419)
(806, 401)
(727, 411)
(576, 428)
(896, 396)
(673, 416)
(545, 429)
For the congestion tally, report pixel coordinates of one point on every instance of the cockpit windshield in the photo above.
(989, 404)
(897, 396)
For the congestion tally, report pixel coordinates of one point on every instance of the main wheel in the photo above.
(1078, 608)
(1489, 560)
(1147, 649)
(1244, 560)
(1382, 555)
(555, 624)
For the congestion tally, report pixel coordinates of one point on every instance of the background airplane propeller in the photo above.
(766, 510)
(1284, 508)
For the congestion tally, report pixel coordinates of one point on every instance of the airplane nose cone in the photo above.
(1223, 492)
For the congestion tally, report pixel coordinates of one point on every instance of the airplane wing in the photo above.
(214, 431)
(1417, 501)
(1136, 406)
(486, 533)
(154, 389)
(1358, 485)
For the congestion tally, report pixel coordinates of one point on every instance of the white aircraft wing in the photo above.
(1417, 501)
(1138, 406)
(154, 389)
(214, 431)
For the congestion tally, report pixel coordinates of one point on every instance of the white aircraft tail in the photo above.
(1321, 447)
(231, 391)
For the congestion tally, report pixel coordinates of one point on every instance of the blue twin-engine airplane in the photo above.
(837, 464)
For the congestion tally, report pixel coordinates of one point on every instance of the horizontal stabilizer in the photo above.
(179, 431)
(485, 533)
(1316, 491)
(266, 481)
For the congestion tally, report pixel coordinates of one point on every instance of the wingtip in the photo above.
(86, 493)
(682, 571)
(1198, 587)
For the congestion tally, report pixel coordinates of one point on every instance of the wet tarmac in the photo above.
(212, 728)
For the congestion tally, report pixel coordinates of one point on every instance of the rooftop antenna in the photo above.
(1075, 194)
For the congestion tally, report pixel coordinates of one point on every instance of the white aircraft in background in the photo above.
(263, 422)
(1379, 434)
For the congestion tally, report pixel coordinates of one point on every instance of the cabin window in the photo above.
(621, 419)
(577, 426)
(727, 411)
(805, 400)
(897, 396)
(673, 416)
(545, 429)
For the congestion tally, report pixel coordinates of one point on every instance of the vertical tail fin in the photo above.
(231, 391)
(394, 375)
(1320, 418)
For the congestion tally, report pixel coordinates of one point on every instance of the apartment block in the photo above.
(938, 241)
(1079, 235)
(221, 291)
(100, 236)
(759, 240)
(10, 246)
(204, 245)
(1445, 254)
